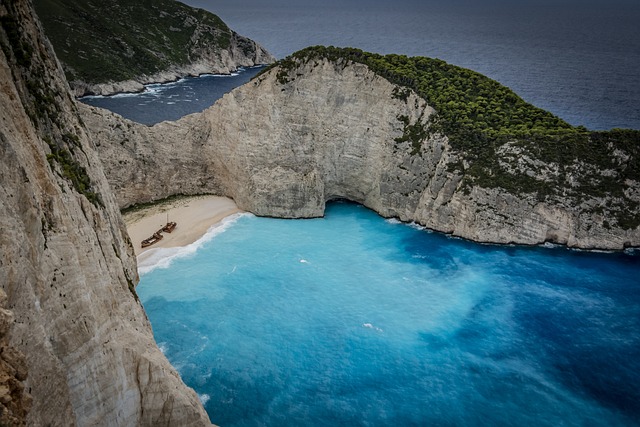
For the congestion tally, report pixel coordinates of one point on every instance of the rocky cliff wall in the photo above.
(292, 139)
(66, 263)
(15, 402)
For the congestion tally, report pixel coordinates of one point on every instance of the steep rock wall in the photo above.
(66, 263)
(15, 402)
(290, 140)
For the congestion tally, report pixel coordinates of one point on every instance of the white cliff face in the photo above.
(284, 146)
(67, 264)
(281, 153)
(327, 134)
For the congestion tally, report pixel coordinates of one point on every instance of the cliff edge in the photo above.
(327, 124)
(66, 264)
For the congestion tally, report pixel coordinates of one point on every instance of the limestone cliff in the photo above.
(66, 263)
(15, 402)
(298, 136)
(119, 45)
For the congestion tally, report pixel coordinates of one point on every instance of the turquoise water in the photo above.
(355, 320)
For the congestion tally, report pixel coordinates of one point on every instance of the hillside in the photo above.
(102, 42)
(506, 141)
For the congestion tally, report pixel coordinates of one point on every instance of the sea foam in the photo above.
(164, 257)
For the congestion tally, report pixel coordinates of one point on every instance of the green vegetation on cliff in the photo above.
(41, 101)
(472, 109)
(100, 41)
(505, 141)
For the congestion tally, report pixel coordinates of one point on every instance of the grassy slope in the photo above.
(99, 41)
(479, 115)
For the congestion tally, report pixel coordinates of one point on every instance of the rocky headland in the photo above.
(322, 125)
(119, 46)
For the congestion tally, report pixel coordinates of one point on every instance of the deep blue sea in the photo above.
(354, 320)
(579, 59)
(171, 101)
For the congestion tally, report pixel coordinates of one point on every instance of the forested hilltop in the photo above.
(506, 142)
(120, 40)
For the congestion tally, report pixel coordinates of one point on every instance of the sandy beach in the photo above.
(193, 215)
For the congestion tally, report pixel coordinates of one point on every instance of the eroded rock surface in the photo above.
(214, 62)
(334, 129)
(15, 401)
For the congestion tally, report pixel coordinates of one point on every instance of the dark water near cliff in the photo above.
(579, 60)
(353, 320)
(171, 101)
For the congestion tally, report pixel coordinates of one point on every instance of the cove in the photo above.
(352, 319)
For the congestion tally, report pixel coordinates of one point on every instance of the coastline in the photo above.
(194, 216)
(138, 85)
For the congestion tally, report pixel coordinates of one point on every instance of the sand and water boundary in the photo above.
(194, 217)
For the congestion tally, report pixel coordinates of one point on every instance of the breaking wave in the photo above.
(164, 257)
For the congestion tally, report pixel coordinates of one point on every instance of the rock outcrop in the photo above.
(15, 402)
(118, 46)
(292, 139)
(66, 262)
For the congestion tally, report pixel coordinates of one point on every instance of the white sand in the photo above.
(193, 215)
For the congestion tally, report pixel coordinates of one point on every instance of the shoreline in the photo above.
(194, 216)
(138, 86)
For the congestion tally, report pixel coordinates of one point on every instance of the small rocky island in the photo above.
(412, 138)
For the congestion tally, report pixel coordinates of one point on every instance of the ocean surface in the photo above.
(171, 101)
(354, 320)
